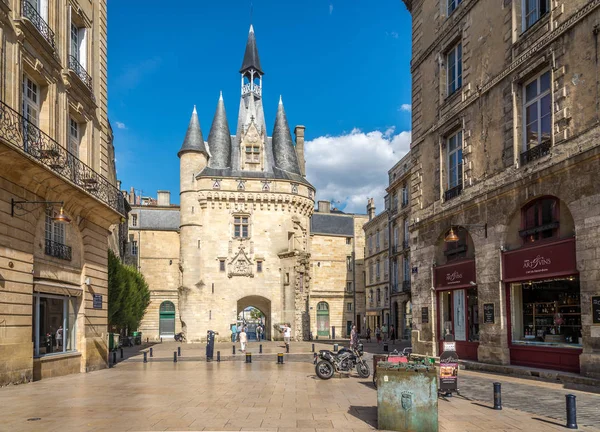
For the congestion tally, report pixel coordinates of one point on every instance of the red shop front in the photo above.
(544, 306)
(457, 306)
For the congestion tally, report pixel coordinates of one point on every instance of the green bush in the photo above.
(128, 295)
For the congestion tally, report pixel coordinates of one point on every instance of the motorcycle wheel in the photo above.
(324, 370)
(363, 370)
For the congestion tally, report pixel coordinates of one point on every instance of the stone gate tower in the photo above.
(245, 217)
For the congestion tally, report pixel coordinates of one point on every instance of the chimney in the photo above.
(132, 196)
(324, 207)
(371, 208)
(299, 132)
(163, 198)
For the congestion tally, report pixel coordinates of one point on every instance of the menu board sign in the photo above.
(488, 313)
(97, 301)
(596, 310)
(449, 368)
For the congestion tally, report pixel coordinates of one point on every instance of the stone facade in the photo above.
(505, 86)
(55, 146)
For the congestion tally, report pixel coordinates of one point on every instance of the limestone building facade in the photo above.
(505, 222)
(57, 189)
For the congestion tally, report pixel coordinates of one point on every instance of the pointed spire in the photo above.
(251, 59)
(280, 100)
(283, 146)
(221, 95)
(219, 138)
(194, 141)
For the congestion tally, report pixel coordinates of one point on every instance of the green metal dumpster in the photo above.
(113, 341)
(137, 337)
(407, 397)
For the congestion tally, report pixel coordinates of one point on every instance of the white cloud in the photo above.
(393, 34)
(330, 8)
(120, 125)
(405, 108)
(353, 167)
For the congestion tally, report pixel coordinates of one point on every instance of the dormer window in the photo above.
(294, 188)
(252, 154)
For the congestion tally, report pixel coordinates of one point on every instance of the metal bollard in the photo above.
(150, 351)
(147, 339)
(385, 347)
(114, 357)
(234, 350)
(279, 358)
(260, 349)
(571, 411)
(335, 347)
(248, 357)
(121, 352)
(174, 356)
(497, 396)
(145, 357)
(313, 347)
(179, 351)
(287, 348)
(218, 356)
(161, 340)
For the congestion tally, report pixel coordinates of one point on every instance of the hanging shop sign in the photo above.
(455, 275)
(540, 262)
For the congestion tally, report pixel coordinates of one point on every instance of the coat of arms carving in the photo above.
(240, 264)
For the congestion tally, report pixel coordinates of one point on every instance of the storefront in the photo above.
(544, 305)
(457, 306)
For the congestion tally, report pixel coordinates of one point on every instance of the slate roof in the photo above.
(327, 223)
(219, 139)
(277, 174)
(283, 146)
(193, 141)
(160, 219)
(251, 59)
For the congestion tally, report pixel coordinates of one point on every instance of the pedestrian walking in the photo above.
(368, 334)
(243, 337)
(378, 334)
(353, 338)
(259, 331)
(393, 334)
(384, 332)
(233, 333)
(287, 334)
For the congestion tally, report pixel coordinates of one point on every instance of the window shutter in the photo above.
(83, 48)
(44, 10)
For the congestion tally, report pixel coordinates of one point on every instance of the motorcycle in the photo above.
(180, 337)
(327, 362)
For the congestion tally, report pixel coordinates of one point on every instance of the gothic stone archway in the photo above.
(262, 304)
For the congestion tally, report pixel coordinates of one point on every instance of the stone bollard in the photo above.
(174, 356)
(279, 358)
(178, 351)
(497, 396)
(571, 411)
(385, 347)
(218, 356)
(121, 352)
(150, 351)
(248, 357)
(233, 349)
(260, 349)
(313, 347)
(145, 357)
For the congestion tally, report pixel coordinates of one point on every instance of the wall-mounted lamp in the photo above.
(87, 281)
(472, 283)
(452, 237)
(20, 205)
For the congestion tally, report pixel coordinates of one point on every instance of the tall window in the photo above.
(78, 46)
(371, 272)
(395, 235)
(349, 263)
(385, 267)
(452, 4)
(455, 160)
(454, 68)
(349, 307)
(240, 226)
(31, 101)
(377, 268)
(54, 324)
(74, 137)
(348, 240)
(540, 220)
(221, 265)
(406, 269)
(349, 286)
(378, 295)
(377, 240)
(404, 195)
(538, 111)
(386, 235)
(406, 232)
(371, 243)
(533, 10)
(395, 202)
(134, 220)
(134, 247)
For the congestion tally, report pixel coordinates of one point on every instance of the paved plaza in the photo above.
(231, 395)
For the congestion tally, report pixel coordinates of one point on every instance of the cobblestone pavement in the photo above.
(536, 397)
(236, 396)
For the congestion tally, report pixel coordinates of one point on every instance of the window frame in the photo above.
(451, 6)
(349, 263)
(454, 52)
(134, 220)
(554, 230)
(238, 227)
(36, 323)
(31, 87)
(537, 100)
(222, 266)
(259, 266)
(458, 151)
(134, 247)
(538, 4)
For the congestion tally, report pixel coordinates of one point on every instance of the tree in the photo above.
(128, 294)
(255, 314)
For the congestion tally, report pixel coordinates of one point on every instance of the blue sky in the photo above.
(343, 68)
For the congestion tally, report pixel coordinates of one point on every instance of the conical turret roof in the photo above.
(284, 151)
(219, 138)
(251, 59)
(193, 141)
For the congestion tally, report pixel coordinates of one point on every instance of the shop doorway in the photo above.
(323, 319)
(407, 319)
(459, 317)
(166, 322)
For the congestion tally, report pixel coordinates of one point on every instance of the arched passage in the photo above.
(323, 319)
(262, 304)
(166, 323)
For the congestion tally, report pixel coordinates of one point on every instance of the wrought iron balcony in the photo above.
(453, 193)
(406, 285)
(24, 135)
(30, 12)
(536, 152)
(80, 71)
(58, 250)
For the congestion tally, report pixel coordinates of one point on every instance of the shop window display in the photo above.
(54, 320)
(546, 313)
(460, 314)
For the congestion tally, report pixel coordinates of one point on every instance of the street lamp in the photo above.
(19, 205)
(451, 237)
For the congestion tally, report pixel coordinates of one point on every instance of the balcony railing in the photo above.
(453, 193)
(535, 152)
(80, 71)
(20, 133)
(405, 285)
(58, 250)
(30, 12)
